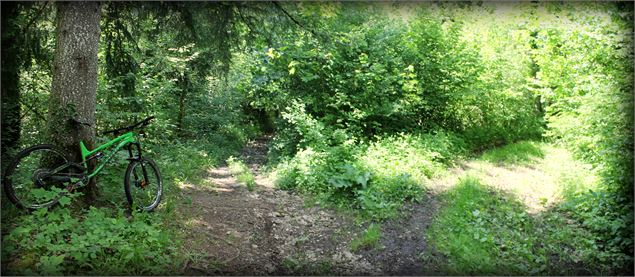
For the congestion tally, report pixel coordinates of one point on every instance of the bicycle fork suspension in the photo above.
(144, 181)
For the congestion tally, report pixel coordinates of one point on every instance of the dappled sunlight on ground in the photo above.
(184, 185)
(540, 183)
(229, 229)
(533, 187)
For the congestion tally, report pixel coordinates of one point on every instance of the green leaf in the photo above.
(65, 200)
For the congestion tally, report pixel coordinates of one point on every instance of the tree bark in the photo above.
(184, 84)
(10, 96)
(74, 85)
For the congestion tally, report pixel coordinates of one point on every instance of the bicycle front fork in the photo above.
(140, 160)
(132, 157)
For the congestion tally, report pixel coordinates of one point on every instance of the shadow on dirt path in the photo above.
(233, 231)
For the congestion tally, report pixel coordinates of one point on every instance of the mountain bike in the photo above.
(39, 176)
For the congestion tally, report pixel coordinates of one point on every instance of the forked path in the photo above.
(233, 231)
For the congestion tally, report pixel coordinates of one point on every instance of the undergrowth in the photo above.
(521, 153)
(487, 231)
(241, 172)
(101, 239)
(374, 178)
(92, 241)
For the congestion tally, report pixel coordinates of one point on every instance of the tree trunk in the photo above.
(183, 83)
(10, 119)
(74, 84)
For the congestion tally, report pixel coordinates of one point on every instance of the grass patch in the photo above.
(573, 176)
(368, 240)
(483, 231)
(242, 173)
(521, 153)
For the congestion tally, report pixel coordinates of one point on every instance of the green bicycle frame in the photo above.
(122, 141)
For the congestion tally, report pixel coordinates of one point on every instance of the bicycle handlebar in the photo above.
(142, 123)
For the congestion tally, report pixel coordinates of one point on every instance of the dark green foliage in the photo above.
(10, 81)
(26, 57)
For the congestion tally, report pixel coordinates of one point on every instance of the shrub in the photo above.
(375, 178)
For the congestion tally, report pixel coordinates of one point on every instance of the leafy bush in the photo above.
(586, 81)
(375, 178)
(185, 162)
(384, 77)
(610, 221)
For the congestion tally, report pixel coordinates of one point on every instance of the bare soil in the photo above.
(233, 231)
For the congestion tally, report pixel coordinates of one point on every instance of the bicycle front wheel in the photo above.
(36, 176)
(143, 185)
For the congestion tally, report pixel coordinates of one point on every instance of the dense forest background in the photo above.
(364, 103)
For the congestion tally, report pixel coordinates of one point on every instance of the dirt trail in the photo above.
(233, 231)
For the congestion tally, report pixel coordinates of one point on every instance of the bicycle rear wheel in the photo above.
(143, 191)
(32, 179)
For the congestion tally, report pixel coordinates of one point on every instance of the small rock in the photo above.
(254, 246)
(228, 233)
(270, 268)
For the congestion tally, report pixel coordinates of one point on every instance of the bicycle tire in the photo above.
(132, 188)
(8, 183)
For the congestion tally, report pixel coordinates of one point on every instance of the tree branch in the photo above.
(33, 110)
(275, 3)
